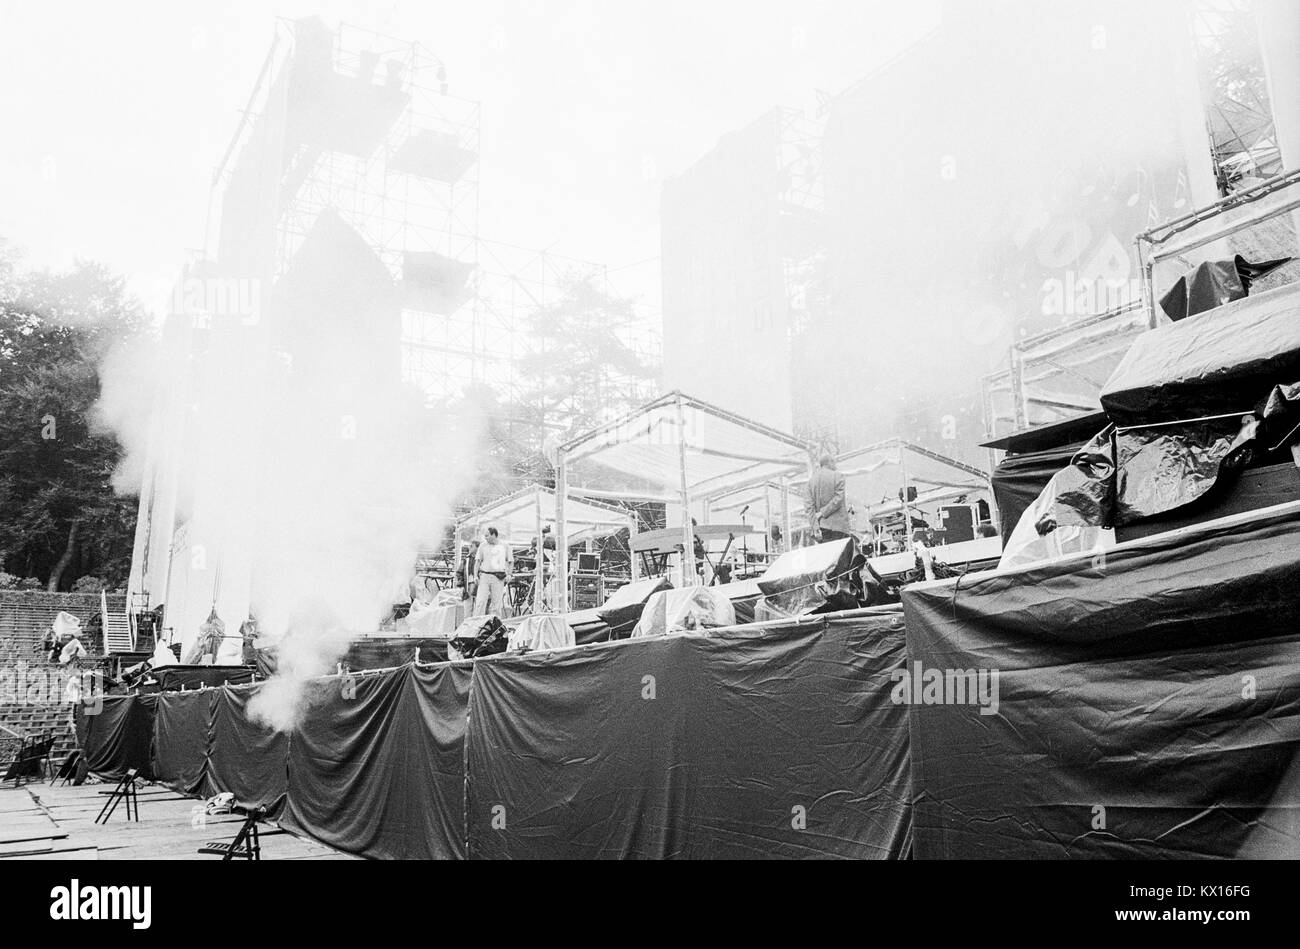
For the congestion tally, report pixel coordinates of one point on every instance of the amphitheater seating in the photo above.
(25, 617)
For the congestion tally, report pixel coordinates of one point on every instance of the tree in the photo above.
(59, 515)
(584, 370)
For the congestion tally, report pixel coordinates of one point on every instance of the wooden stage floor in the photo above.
(40, 821)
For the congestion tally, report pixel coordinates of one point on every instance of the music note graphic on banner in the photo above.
(1153, 214)
(1180, 191)
(1103, 180)
(1143, 182)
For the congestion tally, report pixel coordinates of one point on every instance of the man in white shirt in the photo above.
(492, 568)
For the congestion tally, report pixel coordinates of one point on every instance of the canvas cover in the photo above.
(246, 758)
(376, 767)
(541, 631)
(757, 742)
(1148, 699)
(771, 740)
(182, 737)
(119, 736)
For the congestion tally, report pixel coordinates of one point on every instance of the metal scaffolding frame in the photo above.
(478, 340)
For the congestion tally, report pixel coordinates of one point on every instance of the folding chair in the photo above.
(247, 844)
(30, 761)
(125, 790)
(68, 770)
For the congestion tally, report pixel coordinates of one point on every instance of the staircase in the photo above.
(117, 630)
(117, 633)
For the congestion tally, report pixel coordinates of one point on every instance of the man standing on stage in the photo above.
(492, 568)
(828, 514)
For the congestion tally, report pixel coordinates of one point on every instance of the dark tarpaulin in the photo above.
(182, 736)
(744, 596)
(806, 579)
(247, 759)
(1148, 700)
(1220, 362)
(376, 767)
(119, 737)
(389, 653)
(587, 627)
(175, 678)
(1019, 479)
(771, 741)
(623, 609)
(1213, 283)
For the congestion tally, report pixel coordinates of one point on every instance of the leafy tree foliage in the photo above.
(59, 516)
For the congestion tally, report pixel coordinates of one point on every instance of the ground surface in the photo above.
(47, 822)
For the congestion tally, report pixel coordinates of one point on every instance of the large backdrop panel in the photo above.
(776, 741)
(1147, 701)
(119, 736)
(183, 738)
(376, 764)
(247, 758)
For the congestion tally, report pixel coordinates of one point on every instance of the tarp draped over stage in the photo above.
(770, 740)
(1147, 704)
(776, 741)
(246, 759)
(1148, 700)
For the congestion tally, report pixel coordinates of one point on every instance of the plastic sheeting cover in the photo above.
(802, 580)
(690, 608)
(541, 631)
(624, 607)
(1221, 361)
(1160, 683)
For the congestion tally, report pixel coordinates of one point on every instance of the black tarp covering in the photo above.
(174, 678)
(119, 737)
(805, 579)
(1213, 283)
(623, 609)
(776, 741)
(744, 596)
(182, 736)
(367, 655)
(376, 767)
(1223, 361)
(1019, 479)
(587, 627)
(246, 759)
(388, 653)
(1148, 700)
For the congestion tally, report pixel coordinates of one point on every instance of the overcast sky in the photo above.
(113, 114)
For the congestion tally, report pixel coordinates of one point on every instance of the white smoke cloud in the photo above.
(303, 485)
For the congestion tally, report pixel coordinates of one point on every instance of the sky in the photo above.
(113, 116)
